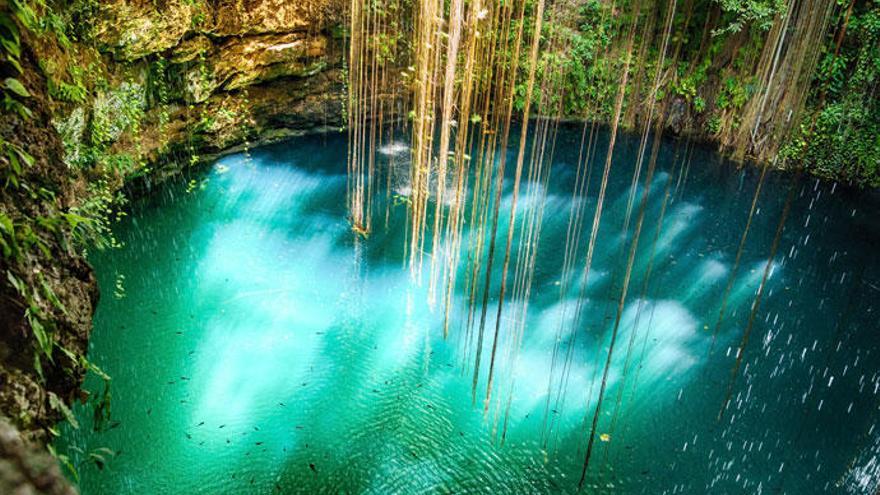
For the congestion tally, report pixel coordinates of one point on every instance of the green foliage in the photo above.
(157, 90)
(26, 14)
(101, 456)
(90, 222)
(713, 125)
(589, 78)
(42, 326)
(840, 137)
(743, 13)
(40, 18)
(89, 140)
(734, 93)
(102, 408)
(8, 242)
(61, 90)
(81, 15)
(578, 74)
(13, 162)
(831, 74)
(59, 405)
(119, 286)
(385, 46)
(64, 460)
(115, 111)
(41, 332)
(686, 85)
(13, 94)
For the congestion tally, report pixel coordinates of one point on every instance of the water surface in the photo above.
(256, 347)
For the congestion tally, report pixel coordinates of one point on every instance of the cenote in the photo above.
(257, 345)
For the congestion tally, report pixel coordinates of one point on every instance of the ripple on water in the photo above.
(258, 349)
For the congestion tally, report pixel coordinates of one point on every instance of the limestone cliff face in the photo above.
(133, 30)
(174, 81)
(225, 45)
(146, 89)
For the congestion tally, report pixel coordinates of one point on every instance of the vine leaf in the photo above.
(57, 404)
(16, 87)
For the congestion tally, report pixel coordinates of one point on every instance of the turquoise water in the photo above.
(255, 346)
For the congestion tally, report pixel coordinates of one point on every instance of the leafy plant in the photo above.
(744, 13)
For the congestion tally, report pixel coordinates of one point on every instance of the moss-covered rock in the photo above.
(133, 29)
(191, 49)
(247, 17)
(238, 63)
(257, 59)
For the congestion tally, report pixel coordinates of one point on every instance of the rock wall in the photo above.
(177, 81)
(47, 288)
(25, 469)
